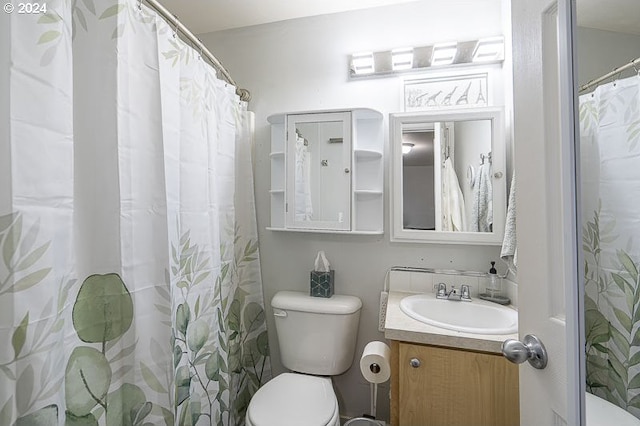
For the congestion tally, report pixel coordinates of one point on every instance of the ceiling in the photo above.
(622, 16)
(203, 16)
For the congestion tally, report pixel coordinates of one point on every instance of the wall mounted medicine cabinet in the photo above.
(448, 182)
(327, 171)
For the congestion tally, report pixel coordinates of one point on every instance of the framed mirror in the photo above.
(448, 176)
(318, 171)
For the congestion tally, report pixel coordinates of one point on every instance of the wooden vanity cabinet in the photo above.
(437, 386)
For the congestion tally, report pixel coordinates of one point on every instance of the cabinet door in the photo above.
(318, 179)
(456, 387)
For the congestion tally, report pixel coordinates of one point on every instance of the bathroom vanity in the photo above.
(444, 377)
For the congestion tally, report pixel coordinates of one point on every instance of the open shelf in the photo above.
(363, 154)
(367, 192)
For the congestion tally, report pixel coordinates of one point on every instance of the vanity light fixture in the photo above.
(363, 63)
(444, 54)
(402, 59)
(388, 63)
(406, 147)
(489, 49)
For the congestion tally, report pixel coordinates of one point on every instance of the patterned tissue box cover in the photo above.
(321, 284)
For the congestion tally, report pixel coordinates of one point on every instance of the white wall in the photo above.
(601, 51)
(301, 65)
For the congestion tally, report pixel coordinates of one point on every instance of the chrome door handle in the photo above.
(531, 349)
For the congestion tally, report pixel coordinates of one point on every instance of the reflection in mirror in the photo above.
(418, 177)
(448, 176)
(457, 195)
(318, 171)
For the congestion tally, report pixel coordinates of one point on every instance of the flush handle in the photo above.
(530, 349)
(415, 362)
(279, 313)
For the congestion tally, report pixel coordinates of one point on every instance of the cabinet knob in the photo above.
(347, 170)
(415, 362)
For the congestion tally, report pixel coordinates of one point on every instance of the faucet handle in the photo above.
(465, 293)
(442, 290)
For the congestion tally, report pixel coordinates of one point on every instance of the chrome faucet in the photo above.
(453, 294)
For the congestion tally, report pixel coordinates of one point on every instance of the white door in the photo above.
(546, 210)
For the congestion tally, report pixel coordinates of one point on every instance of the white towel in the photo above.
(304, 207)
(509, 252)
(453, 216)
(482, 212)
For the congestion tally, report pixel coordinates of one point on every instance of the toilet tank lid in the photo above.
(302, 302)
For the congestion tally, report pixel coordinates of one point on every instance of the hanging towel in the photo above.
(453, 216)
(482, 212)
(509, 252)
(304, 207)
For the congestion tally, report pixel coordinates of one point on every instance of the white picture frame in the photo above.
(457, 91)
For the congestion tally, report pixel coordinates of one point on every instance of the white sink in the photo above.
(477, 316)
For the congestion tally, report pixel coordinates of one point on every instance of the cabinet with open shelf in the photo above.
(361, 172)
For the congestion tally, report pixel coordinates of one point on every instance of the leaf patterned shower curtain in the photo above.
(130, 288)
(610, 160)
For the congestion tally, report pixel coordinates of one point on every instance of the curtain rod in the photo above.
(244, 94)
(615, 71)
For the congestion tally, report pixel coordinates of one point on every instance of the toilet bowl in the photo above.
(292, 399)
(603, 413)
(317, 339)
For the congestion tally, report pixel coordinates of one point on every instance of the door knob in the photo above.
(530, 349)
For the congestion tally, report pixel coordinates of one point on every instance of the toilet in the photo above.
(601, 412)
(317, 340)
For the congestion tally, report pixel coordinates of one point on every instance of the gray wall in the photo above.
(418, 196)
(301, 65)
(601, 51)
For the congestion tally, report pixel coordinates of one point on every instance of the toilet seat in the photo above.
(292, 399)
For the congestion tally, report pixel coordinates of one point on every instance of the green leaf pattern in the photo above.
(217, 374)
(610, 128)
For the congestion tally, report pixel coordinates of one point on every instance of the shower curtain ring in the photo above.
(615, 77)
(175, 26)
(140, 5)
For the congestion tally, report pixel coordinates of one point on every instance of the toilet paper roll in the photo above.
(374, 363)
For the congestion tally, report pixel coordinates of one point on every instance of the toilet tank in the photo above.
(316, 335)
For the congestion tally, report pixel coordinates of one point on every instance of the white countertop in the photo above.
(399, 326)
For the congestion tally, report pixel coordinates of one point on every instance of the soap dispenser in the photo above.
(494, 286)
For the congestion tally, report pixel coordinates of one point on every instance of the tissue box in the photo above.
(321, 283)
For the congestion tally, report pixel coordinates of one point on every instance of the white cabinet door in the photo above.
(546, 209)
(318, 179)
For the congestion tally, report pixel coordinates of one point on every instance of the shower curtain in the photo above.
(610, 160)
(130, 288)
